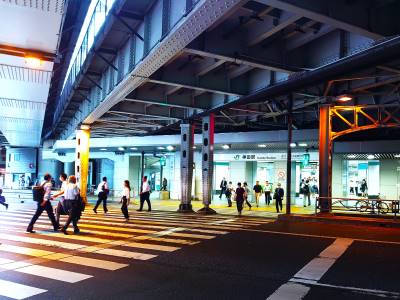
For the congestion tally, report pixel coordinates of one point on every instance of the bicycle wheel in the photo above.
(362, 206)
(382, 207)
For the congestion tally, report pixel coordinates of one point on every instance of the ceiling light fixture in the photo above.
(170, 148)
(351, 156)
(133, 148)
(103, 149)
(344, 98)
(397, 155)
(303, 144)
(226, 146)
(292, 145)
(262, 146)
(121, 148)
(371, 156)
(161, 148)
(33, 62)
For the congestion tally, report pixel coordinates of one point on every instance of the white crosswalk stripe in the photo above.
(18, 291)
(104, 238)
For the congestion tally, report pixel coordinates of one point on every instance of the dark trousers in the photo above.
(223, 190)
(268, 198)
(145, 197)
(72, 207)
(102, 197)
(239, 205)
(247, 202)
(124, 207)
(278, 204)
(3, 203)
(49, 209)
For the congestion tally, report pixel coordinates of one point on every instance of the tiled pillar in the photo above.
(82, 159)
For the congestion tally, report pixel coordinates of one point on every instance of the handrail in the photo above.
(375, 206)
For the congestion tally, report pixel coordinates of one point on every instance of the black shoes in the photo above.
(6, 206)
(95, 211)
(30, 230)
(76, 230)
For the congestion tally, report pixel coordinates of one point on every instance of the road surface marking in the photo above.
(126, 254)
(18, 291)
(53, 273)
(63, 257)
(379, 293)
(317, 267)
(290, 291)
(312, 272)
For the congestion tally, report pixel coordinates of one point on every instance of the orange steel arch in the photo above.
(384, 117)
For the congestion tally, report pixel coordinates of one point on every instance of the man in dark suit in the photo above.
(223, 186)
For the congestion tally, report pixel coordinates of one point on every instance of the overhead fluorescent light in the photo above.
(292, 145)
(371, 156)
(133, 148)
(161, 148)
(33, 62)
(303, 144)
(226, 146)
(170, 147)
(397, 155)
(103, 149)
(262, 146)
(194, 147)
(351, 156)
(121, 148)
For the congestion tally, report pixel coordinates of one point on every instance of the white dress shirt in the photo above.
(71, 191)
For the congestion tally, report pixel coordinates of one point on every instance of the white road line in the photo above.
(127, 254)
(5, 261)
(63, 257)
(317, 267)
(18, 291)
(290, 291)
(53, 273)
(379, 293)
(312, 272)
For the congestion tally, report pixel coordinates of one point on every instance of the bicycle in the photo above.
(366, 205)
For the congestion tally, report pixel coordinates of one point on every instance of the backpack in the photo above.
(38, 193)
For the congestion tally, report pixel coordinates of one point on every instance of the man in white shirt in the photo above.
(103, 191)
(45, 204)
(145, 194)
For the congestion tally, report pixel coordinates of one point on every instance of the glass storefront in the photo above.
(355, 171)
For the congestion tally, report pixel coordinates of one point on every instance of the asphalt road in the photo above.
(164, 255)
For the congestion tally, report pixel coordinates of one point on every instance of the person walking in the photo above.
(164, 184)
(44, 204)
(228, 193)
(126, 198)
(60, 205)
(306, 193)
(278, 196)
(71, 204)
(3, 199)
(239, 197)
(257, 192)
(102, 195)
(145, 194)
(223, 187)
(246, 195)
(364, 188)
(267, 192)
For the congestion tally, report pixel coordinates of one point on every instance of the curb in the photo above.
(344, 220)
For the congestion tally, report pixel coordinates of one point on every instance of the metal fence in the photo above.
(363, 206)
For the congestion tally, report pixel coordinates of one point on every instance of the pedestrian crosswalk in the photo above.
(106, 243)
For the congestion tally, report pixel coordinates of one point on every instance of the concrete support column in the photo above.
(187, 138)
(325, 158)
(289, 157)
(82, 160)
(207, 165)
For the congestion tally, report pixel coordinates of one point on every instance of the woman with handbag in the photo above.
(125, 199)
